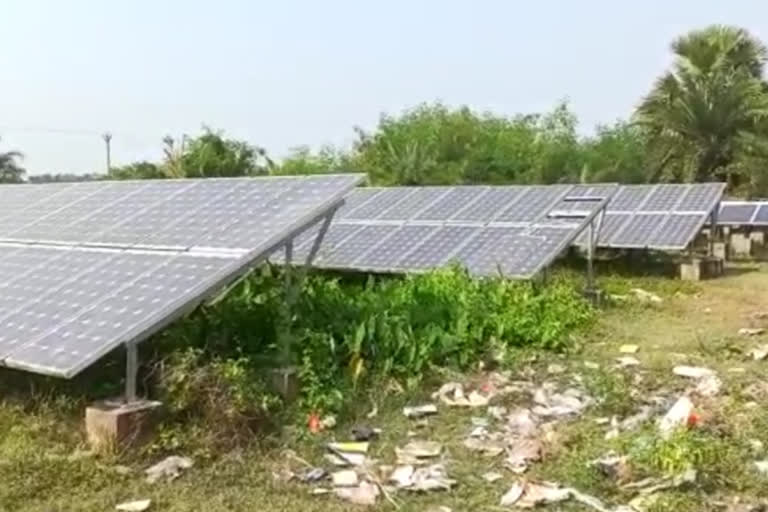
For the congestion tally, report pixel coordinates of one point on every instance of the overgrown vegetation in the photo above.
(344, 333)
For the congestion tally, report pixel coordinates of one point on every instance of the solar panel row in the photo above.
(745, 213)
(86, 267)
(490, 230)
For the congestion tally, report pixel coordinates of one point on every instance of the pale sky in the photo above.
(286, 73)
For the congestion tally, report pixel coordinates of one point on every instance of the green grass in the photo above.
(43, 467)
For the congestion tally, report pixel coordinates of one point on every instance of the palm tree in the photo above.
(703, 115)
(10, 170)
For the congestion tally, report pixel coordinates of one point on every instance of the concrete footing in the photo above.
(594, 295)
(757, 237)
(285, 382)
(720, 250)
(113, 424)
(741, 245)
(697, 269)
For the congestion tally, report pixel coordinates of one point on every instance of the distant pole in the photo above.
(108, 141)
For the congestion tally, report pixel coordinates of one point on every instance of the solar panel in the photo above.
(743, 213)
(661, 217)
(93, 282)
(506, 230)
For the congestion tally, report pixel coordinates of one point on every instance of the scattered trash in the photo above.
(709, 386)
(650, 486)
(629, 349)
(344, 478)
(492, 477)
(520, 423)
(555, 369)
(757, 446)
(627, 361)
(692, 372)
(439, 509)
(374, 412)
(431, 478)
(497, 412)
(312, 475)
(320, 491)
(328, 422)
(402, 476)
(485, 447)
(452, 394)
(364, 494)
(523, 452)
(762, 466)
(591, 366)
(570, 402)
(364, 433)
(347, 459)
(751, 331)
(530, 495)
(420, 411)
(645, 296)
(416, 451)
(679, 415)
(759, 353)
(134, 506)
(314, 423)
(169, 468)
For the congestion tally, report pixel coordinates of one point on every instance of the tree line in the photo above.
(704, 119)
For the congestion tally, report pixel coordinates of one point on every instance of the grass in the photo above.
(43, 465)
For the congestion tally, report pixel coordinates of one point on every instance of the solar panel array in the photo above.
(507, 230)
(661, 217)
(743, 213)
(85, 267)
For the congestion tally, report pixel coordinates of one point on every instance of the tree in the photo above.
(212, 155)
(137, 171)
(10, 169)
(706, 115)
(302, 160)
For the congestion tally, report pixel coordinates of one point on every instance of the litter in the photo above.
(328, 422)
(347, 459)
(591, 366)
(419, 411)
(613, 466)
(170, 468)
(431, 478)
(134, 506)
(555, 369)
(347, 454)
(364, 433)
(530, 495)
(402, 476)
(692, 372)
(492, 477)
(650, 486)
(759, 353)
(681, 414)
(312, 475)
(627, 361)
(751, 331)
(497, 412)
(351, 447)
(320, 491)
(480, 422)
(374, 412)
(485, 447)
(762, 466)
(567, 403)
(344, 478)
(520, 422)
(757, 446)
(364, 494)
(709, 386)
(452, 394)
(634, 421)
(523, 452)
(415, 451)
(629, 349)
(645, 296)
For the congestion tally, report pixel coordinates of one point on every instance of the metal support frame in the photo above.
(131, 370)
(593, 235)
(715, 230)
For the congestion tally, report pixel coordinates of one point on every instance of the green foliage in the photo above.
(137, 171)
(344, 332)
(10, 169)
(302, 160)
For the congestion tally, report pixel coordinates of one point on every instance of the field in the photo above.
(44, 464)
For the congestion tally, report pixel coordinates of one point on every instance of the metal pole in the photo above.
(131, 369)
(590, 256)
(714, 230)
(108, 141)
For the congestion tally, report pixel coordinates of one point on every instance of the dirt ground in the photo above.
(43, 465)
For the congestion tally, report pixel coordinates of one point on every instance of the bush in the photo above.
(342, 331)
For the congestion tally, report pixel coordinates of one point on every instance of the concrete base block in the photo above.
(697, 269)
(112, 424)
(757, 237)
(720, 250)
(741, 245)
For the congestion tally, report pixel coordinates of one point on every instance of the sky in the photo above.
(281, 74)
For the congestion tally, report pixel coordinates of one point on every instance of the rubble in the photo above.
(453, 395)
(681, 414)
(344, 478)
(645, 296)
(627, 361)
(759, 353)
(521, 453)
(693, 372)
(751, 331)
(169, 468)
(416, 451)
(629, 349)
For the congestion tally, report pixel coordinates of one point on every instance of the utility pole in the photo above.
(108, 141)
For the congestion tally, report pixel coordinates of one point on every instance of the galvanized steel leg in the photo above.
(713, 230)
(131, 370)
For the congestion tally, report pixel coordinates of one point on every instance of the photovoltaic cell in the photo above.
(532, 204)
(675, 231)
(380, 203)
(389, 252)
(629, 198)
(64, 306)
(488, 206)
(414, 203)
(737, 213)
(637, 230)
(445, 207)
(440, 248)
(762, 215)
(700, 197)
(361, 242)
(665, 198)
